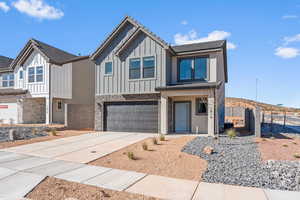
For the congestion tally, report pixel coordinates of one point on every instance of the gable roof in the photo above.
(139, 27)
(5, 63)
(52, 54)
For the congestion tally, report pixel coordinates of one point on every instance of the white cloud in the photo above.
(192, 37)
(289, 17)
(4, 7)
(289, 39)
(184, 22)
(38, 9)
(287, 52)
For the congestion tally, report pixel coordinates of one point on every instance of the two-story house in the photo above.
(48, 86)
(145, 85)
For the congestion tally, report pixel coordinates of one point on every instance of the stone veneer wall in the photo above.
(33, 110)
(25, 132)
(100, 100)
(80, 116)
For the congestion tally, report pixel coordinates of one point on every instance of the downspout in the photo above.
(215, 108)
(50, 96)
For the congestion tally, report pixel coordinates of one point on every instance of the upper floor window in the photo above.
(21, 74)
(108, 68)
(35, 74)
(148, 67)
(134, 68)
(194, 68)
(8, 80)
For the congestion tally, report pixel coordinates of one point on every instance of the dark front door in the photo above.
(182, 116)
(131, 116)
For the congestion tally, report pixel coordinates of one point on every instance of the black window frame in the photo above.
(193, 79)
(143, 67)
(139, 69)
(197, 105)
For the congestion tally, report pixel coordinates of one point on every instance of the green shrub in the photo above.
(145, 146)
(231, 133)
(130, 155)
(295, 143)
(162, 137)
(297, 155)
(154, 140)
(264, 139)
(285, 145)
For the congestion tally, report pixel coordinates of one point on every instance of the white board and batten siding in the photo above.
(61, 81)
(36, 89)
(119, 82)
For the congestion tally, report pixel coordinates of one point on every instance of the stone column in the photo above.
(48, 110)
(257, 122)
(211, 116)
(164, 114)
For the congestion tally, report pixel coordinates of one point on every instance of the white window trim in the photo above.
(35, 82)
(9, 80)
(112, 68)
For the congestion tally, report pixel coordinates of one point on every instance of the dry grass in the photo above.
(279, 149)
(57, 189)
(164, 159)
(59, 134)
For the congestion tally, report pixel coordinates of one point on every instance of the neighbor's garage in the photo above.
(131, 116)
(8, 113)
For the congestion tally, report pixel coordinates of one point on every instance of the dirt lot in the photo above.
(164, 159)
(57, 189)
(60, 134)
(279, 149)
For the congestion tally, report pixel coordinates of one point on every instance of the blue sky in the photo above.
(264, 36)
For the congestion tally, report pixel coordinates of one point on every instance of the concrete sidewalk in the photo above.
(19, 175)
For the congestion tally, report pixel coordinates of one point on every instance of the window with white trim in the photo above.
(35, 74)
(201, 105)
(108, 68)
(8, 80)
(21, 74)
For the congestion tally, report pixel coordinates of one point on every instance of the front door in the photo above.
(182, 116)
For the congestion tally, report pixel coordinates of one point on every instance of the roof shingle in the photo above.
(5, 62)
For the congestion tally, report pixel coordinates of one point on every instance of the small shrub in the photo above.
(285, 145)
(264, 139)
(130, 155)
(145, 146)
(162, 137)
(34, 131)
(297, 155)
(272, 138)
(231, 133)
(295, 143)
(53, 132)
(154, 140)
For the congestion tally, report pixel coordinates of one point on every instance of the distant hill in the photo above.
(233, 102)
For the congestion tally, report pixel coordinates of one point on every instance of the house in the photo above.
(48, 85)
(6, 74)
(144, 84)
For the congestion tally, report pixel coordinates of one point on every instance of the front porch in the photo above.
(188, 112)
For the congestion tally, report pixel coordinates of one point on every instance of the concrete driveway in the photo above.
(80, 149)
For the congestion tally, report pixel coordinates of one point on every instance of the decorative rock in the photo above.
(208, 150)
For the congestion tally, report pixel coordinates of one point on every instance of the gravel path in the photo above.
(237, 162)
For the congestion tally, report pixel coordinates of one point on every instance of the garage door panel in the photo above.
(131, 116)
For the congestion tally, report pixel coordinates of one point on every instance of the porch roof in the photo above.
(11, 91)
(190, 86)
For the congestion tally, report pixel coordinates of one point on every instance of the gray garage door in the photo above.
(131, 116)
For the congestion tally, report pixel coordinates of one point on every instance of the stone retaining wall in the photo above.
(23, 132)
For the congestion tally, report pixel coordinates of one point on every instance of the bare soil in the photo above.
(57, 189)
(279, 149)
(60, 134)
(164, 159)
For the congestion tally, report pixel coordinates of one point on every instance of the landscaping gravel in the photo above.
(237, 162)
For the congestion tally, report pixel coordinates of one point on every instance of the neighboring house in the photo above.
(145, 85)
(6, 73)
(50, 85)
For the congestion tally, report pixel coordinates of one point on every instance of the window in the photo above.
(59, 105)
(201, 105)
(134, 68)
(35, 74)
(31, 74)
(39, 74)
(8, 80)
(21, 74)
(108, 68)
(193, 68)
(148, 67)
